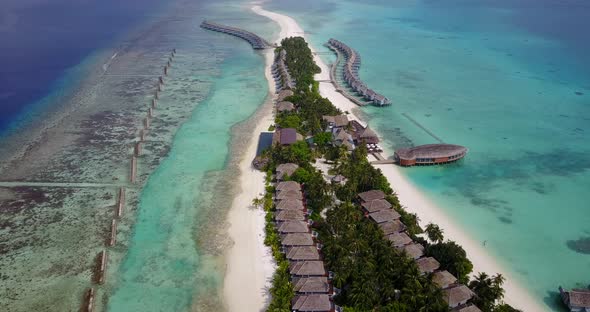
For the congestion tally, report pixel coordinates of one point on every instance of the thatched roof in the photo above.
(468, 308)
(457, 295)
(311, 285)
(283, 94)
(289, 215)
(288, 185)
(367, 133)
(427, 265)
(338, 121)
(285, 106)
(290, 204)
(399, 239)
(342, 135)
(414, 251)
(293, 227)
(286, 136)
(285, 169)
(300, 253)
(290, 194)
(307, 268)
(430, 151)
(578, 298)
(311, 303)
(391, 227)
(371, 195)
(376, 205)
(384, 215)
(297, 239)
(443, 279)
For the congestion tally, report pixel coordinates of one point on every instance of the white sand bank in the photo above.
(409, 195)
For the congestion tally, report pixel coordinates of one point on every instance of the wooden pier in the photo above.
(353, 63)
(256, 41)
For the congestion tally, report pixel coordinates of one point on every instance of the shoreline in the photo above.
(409, 195)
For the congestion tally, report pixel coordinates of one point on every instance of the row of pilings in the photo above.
(353, 63)
(101, 259)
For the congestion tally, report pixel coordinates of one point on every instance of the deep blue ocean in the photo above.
(42, 41)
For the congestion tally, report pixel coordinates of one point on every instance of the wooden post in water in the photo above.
(146, 122)
(88, 305)
(150, 112)
(137, 149)
(166, 70)
(142, 133)
(159, 87)
(157, 95)
(113, 240)
(133, 168)
(121, 202)
(153, 103)
(161, 79)
(102, 267)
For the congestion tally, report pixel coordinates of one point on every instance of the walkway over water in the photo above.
(353, 63)
(256, 41)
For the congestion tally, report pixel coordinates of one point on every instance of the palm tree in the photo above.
(434, 232)
(257, 202)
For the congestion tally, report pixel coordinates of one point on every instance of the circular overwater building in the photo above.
(429, 154)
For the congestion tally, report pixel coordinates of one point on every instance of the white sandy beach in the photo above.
(409, 195)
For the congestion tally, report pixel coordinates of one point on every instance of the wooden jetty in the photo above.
(256, 41)
(353, 63)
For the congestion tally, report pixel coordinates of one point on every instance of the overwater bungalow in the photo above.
(290, 204)
(577, 300)
(443, 279)
(285, 107)
(288, 185)
(399, 239)
(285, 170)
(311, 285)
(312, 303)
(457, 295)
(430, 154)
(467, 308)
(293, 227)
(376, 205)
(391, 227)
(307, 268)
(286, 136)
(371, 195)
(297, 239)
(386, 215)
(427, 265)
(289, 215)
(414, 251)
(302, 253)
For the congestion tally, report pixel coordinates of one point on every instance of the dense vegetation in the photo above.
(369, 273)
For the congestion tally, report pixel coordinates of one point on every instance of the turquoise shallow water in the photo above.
(515, 91)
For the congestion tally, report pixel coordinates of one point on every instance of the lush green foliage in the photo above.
(489, 293)
(300, 61)
(435, 233)
(452, 257)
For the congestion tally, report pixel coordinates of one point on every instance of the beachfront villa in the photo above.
(286, 136)
(285, 106)
(430, 154)
(284, 94)
(427, 265)
(285, 170)
(342, 138)
(457, 296)
(577, 300)
(443, 279)
(338, 121)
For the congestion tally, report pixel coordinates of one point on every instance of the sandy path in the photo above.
(409, 195)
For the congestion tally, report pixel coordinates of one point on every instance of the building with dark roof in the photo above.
(386, 215)
(311, 285)
(427, 265)
(286, 136)
(443, 279)
(577, 300)
(430, 154)
(458, 295)
(312, 303)
(307, 268)
(297, 239)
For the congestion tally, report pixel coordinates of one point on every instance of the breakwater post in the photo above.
(113, 240)
(150, 112)
(142, 134)
(161, 80)
(166, 70)
(133, 168)
(153, 103)
(146, 122)
(137, 149)
(88, 304)
(157, 95)
(101, 267)
(121, 202)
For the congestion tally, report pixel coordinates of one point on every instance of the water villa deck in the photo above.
(256, 41)
(353, 63)
(430, 154)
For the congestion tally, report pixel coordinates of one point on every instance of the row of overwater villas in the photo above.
(311, 282)
(380, 211)
(256, 41)
(353, 63)
(280, 72)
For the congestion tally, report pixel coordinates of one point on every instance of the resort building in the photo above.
(427, 265)
(338, 121)
(290, 204)
(312, 303)
(284, 94)
(414, 251)
(286, 136)
(399, 240)
(371, 196)
(367, 136)
(375, 205)
(290, 215)
(287, 185)
(577, 300)
(311, 285)
(430, 154)
(342, 138)
(293, 227)
(382, 216)
(285, 170)
(307, 268)
(457, 296)
(391, 227)
(302, 253)
(285, 107)
(467, 308)
(443, 279)
(297, 239)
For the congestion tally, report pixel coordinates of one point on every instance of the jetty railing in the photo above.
(353, 63)
(256, 41)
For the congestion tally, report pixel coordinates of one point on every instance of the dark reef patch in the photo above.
(505, 220)
(579, 93)
(581, 245)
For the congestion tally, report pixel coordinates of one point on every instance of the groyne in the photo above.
(256, 41)
(353, 63)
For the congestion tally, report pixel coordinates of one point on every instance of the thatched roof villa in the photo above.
(302, 253)
(577, 300)
(387, 215)
(391, 227)
(307, 268)
(290, 194)
(443, 279)
(458, 295)
(376, 205)
(283, 94)
(414, 251)
(338, 121)
(286, 136)
(429, 154)
(311, 285)
(427, 265)
(289, 215)
(467, 308)
(293, 227)
(285, 169)
(288, 185)
(399, 239)
(297, 239)
(290, 204)
(285, 106)
(312, 303)
(371, 195)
